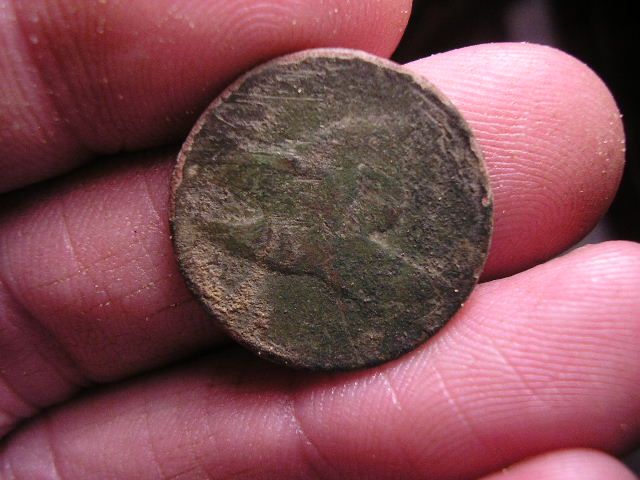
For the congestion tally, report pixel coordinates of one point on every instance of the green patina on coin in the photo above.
(331, 210)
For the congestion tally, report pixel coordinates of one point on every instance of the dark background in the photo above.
(597, 32)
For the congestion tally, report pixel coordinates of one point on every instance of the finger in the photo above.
(91, 285)
(567, 465)
(81, 78)
(89, 289)
(552, 138)
(535, 362)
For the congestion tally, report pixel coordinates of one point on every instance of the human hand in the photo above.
(537, 362)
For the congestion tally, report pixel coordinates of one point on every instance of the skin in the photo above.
(101, 366)
(578, 463)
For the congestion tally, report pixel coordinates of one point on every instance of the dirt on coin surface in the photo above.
(331, 210)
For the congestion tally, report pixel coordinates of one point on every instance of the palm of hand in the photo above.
(89, 292)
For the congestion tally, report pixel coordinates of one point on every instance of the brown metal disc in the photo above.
(331, 210)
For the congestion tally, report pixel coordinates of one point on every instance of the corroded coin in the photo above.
(331, 210)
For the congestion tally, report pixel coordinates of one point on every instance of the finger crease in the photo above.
(51, 447)
(530, 392)
(77, 378)
(455, 407)
(149, 440)
(310, 451)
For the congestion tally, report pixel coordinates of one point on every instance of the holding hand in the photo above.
(96, 96)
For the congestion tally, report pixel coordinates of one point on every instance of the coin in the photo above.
(331, 210)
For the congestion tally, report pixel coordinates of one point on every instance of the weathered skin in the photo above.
(331, 210)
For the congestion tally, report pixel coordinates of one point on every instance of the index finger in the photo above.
(80, 79)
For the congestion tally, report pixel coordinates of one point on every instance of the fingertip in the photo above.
(616, 255)
(553, 141)
(609, 271)
(578, 464)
